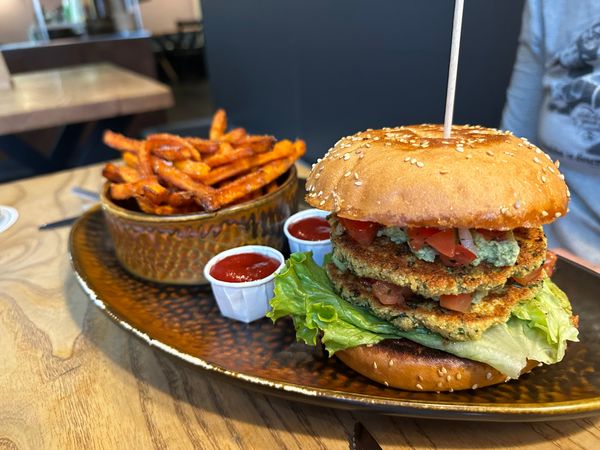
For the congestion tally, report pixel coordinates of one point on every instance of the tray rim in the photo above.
(496, 412)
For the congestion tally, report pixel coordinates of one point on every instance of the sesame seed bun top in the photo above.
(412, 176)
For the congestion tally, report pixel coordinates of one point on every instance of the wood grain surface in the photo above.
(71, 378)
(48, 98)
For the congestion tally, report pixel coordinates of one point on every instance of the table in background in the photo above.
(70, 97)
(71, 378)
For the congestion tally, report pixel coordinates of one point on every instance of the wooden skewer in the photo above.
(451, 91)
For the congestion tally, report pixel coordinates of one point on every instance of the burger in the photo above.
(438, 278)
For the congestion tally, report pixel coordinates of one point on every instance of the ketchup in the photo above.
(244, 267)
(310, 229)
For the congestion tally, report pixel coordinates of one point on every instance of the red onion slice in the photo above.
(466, 240)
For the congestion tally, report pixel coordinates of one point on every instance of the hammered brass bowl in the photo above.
(174, 249)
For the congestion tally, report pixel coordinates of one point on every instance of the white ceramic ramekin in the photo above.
(319, 248)
(249, 300)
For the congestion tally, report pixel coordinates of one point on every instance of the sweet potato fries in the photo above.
(168, 174)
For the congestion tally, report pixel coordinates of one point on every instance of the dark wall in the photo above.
(322, 69)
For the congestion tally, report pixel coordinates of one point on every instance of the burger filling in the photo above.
(454, 246)
(454, 267)
(536, 326)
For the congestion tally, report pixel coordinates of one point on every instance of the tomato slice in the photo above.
(362, 232)
(390, 294)
(417, 236)
(460, 302)
(444, 242)
(550, 262)
(490, 235)
(462, 257)
(530, 277)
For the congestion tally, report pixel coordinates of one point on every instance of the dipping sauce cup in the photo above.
(245, 301)
(319, 247)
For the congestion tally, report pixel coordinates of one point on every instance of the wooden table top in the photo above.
(84, 93)
(71, 378)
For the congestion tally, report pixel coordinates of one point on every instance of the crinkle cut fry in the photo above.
(218, 125)
(248, 183)
(204, 195)
(122, 143)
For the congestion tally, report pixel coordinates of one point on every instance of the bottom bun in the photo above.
(406, 365)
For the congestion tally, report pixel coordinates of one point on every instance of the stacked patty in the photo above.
(357, 266)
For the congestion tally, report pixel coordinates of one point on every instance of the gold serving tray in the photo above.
(185, 322)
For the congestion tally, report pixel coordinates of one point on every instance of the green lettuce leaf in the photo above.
(538, 329)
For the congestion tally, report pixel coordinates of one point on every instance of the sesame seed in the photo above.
(536, 160)
(347, 174)
(413, 161)
(419, 377)
(318, 174)
(346, 156)
(451, 390)
(374, 365)
(440, 384)
(551, 169)
(388, 144)
(358, 183)
(443, 172)
(540, 364)
(544, 179)
(538, 151)
(356, 175)
(562, 177)
(368, 145)
(369, 345)
(459, 149)
(444, 371)
(503, 210)
(488, 375)
(557, 163)
(517, 204)
(391, 363)
(490, 153)
(320, 193)
(322, 202)
(376, 138)
(386, 383)
(557, 214)
(544, 213)
(420, 164)
(475, 386)
(507, 379)
(448, 378)
(407, 159)
(419, 387)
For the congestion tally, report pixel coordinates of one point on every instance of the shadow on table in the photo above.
(196, 398)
